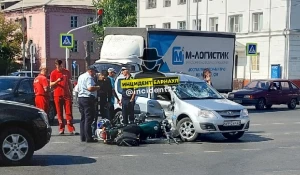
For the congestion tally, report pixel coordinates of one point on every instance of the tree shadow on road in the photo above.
(52, 160)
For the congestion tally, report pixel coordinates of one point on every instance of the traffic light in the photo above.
(99, 16)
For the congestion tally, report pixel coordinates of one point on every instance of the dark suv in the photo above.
(20, 89)
(23, 130)
(265, 93)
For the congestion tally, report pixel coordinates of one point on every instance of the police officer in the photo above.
(128, 99)
(87, 94)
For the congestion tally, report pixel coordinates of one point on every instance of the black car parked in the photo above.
(20, 89)
(23, 130)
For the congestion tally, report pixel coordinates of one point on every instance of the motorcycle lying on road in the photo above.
(144, 128)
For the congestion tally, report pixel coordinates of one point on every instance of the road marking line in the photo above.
(297, 122)
(255, 124)
(128, 155)
(171, 153)
(251, 149)
(287, 147)
(212, 151)
(278, 123)
(58, 142)
(93, 157)
(287, 133)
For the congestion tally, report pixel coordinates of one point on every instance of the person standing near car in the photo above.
(42, 90)
(207, 76)
(111, 76)
(128, 99)
(60, 80)
(87, 95)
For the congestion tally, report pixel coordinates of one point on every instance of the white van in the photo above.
(198, 108)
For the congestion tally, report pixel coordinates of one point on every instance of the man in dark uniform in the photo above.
(128, 99)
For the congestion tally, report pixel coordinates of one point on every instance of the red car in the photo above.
(265, 93)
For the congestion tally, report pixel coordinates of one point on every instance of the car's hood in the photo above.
(248, 91)
(6, 102)
(215, 104)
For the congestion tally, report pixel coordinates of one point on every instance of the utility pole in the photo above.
(23, 33)
(197, 18)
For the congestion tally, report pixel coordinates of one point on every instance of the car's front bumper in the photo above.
(207, 125)
(43, 136)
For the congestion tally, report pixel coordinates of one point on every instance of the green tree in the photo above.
(117, 13)
(10, 44)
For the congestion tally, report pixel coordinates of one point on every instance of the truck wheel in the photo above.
(292, 104)
(260, 104)
(187, 130)
(233, 135)
(17, 146)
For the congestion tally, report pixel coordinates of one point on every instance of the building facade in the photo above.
(43, 25)
(272, 24)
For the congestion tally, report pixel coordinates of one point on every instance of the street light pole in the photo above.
(67, 50)
(197, 19)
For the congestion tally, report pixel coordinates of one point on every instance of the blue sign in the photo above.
(66, 40)
(251, 49)
(275, 71)
(177, 56)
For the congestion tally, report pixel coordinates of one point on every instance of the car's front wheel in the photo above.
(233, 135)
(17, 146)
(260, 104)
(187, 130)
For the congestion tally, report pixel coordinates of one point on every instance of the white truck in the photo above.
(182, 51)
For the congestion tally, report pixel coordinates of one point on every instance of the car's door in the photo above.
(274, 93)
(287, 92)
(24, 92)
(296, 91)
(163, 98)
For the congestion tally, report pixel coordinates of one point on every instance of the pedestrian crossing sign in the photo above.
(251, 49)
(66, 40)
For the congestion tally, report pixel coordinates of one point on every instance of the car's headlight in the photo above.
(231, 96)
(205, 113)
(44, 117)
(247, 96)
(244, 113)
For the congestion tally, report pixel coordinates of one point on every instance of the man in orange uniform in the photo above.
(41, 90)
(60, 80)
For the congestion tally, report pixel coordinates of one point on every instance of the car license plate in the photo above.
(238, 101)
(232, 123)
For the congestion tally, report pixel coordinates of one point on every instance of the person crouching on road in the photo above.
(128, 99)
(87, 95)
(60, 80)
(42, 90)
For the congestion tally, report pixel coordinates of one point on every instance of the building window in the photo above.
(195, 24)
(235, 23)
(74, 21)
(255, 62)
(167, 3)
(257, 21)
(91, 44)
(213, 24)
(181, 25)
(180, 2)
(2, 7)
(30, 22)
(167, 25)
(90, 20)
(151, 4)
(75, 46)
(150, 26)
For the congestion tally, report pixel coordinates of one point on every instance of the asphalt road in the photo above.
(271, 147)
